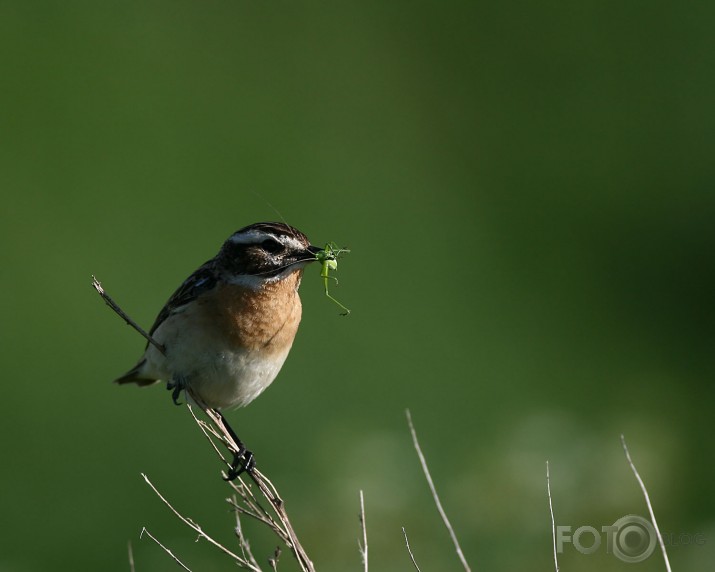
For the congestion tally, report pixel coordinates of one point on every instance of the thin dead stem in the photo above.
(277, 520)
(437, 502)
(553, 521)
(273, 560)
(169, 552)
(131, 556)
(648, 504)
(363, 545)
(409, 550)
(191, 524)
(114, 306)
(242, 540)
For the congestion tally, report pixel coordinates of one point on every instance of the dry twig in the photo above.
(114, 306)
(442, 513)
(242, 540)
(647, 502)
(131, 556)
(363, 545)
(278, 520)
(553, 521)
(273, 560)
(409, 550)
(169, 552)
(191, 524)
(245, 502)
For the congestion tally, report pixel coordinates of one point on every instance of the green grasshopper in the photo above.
(328, 258)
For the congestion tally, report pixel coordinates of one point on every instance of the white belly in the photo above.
(232, 379)
(220, 375)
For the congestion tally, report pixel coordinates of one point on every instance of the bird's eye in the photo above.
(272, 246)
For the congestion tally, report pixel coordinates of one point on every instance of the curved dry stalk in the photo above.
(409, 550)
(437, 502)
(648, 504)
(553, 521)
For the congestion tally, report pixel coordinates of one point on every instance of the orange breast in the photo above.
(264, 320)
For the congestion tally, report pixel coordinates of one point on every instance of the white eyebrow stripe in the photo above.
(250, 237)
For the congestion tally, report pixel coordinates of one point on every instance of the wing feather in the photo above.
(201, 281)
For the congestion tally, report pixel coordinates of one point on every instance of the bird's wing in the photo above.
(203, 280)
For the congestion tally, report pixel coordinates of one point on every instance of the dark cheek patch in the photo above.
(250, 260)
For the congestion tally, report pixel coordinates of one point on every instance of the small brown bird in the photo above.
(226, 332)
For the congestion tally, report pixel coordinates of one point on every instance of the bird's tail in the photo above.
(136, 375)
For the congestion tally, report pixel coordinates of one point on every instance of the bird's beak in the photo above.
(311, 252)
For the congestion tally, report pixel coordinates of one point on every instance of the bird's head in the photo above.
(264, 252)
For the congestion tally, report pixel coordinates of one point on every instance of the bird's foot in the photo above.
(243, 462)
(177, 389)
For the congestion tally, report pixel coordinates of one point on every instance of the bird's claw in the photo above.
(177, 388)
(243, 462)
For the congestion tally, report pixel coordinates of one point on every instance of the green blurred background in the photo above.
(527, 189)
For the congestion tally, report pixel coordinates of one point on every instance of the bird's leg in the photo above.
(243, 459)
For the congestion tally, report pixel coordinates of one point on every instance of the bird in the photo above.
(225, 333)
